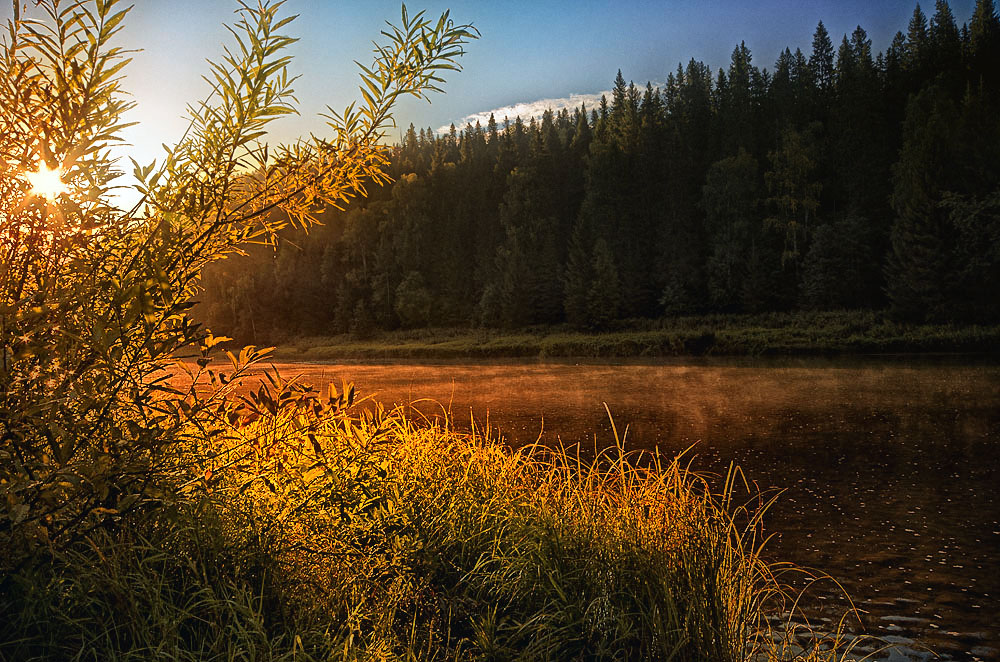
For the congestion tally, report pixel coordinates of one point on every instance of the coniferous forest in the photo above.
(838, 178)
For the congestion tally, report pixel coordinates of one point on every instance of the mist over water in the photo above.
(888, 467)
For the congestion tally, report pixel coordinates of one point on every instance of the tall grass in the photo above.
(376, 537)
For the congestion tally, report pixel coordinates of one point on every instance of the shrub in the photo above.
(93, 298)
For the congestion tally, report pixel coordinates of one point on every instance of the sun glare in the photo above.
(47, 182)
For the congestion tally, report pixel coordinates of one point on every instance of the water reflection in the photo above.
(889, 467)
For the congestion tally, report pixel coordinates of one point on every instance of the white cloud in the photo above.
(529, 109)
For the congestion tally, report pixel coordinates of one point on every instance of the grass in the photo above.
(846, 332)
(374, 537)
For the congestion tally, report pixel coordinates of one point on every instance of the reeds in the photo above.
(375, 537)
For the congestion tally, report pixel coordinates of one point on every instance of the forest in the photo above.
(840, 178)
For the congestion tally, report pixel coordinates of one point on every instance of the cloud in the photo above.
(529, 109)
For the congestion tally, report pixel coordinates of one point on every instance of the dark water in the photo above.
(890, 467)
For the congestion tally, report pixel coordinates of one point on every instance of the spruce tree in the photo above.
(738, 100)
(945, 45)
(730, 199)
(604, 300)
(976, 219)
(917, 52)
(921, 270)
(528, 268)
(578, 277)
(822, 59)
(984, 48)
(860, 153)
(840, 270)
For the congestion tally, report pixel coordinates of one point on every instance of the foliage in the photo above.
(605, 292)
(527, 261)
(358, 534)
(921, 269)
(730, 198)
(414, 304)
(94, 300)
(578, 278)
(838, 271)
(977, 221)
(794, 194)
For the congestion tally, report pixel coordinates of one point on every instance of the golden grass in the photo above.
(371, 536)
(413, 537)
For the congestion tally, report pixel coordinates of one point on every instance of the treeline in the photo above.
(840, 178)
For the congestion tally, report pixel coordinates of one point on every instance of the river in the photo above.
(889, 466)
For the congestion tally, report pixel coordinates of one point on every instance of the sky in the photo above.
(532, 54)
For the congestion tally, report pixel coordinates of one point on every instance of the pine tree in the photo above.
(604, 300)
(782, 91)
(730, 200)
(984, 48)
(921, 270)
(528, 268)
(803, 86)
(409, 151)
(613, 203)
(917, 45)
(896, 85)
(984, 26)
(945, 46)
(861, 49)
(582, 135)
(738, 102)
(976, 219)
(822, 59)
(860, 153)
(840, 269)
(578, 277)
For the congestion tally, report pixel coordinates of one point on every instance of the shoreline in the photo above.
(846, 334)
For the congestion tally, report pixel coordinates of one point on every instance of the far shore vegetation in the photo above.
(771, 334)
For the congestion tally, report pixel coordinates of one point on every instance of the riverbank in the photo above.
(794, 334)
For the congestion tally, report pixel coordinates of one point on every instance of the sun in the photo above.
(47, 182)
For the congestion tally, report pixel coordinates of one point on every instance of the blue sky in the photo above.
(528, 51)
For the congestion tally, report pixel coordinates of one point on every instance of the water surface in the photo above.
(889, 466)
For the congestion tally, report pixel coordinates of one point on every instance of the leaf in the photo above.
(18, 513)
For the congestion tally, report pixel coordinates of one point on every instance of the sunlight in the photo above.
(47, 182)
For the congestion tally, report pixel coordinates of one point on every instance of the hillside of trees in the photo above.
(839, 178)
